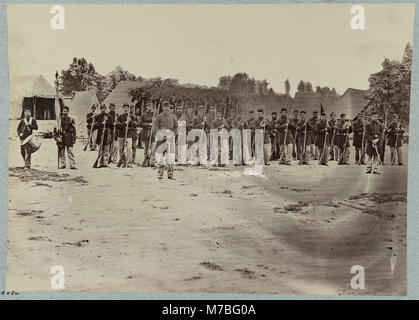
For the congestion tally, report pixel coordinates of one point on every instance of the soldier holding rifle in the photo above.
(358, 142)
(395, 140)
(303, 139)
(146, 123)
(65, 135)
(126, 129)
(322, 139)
(114, 138)
(284, 138)
(103, 125)
(90, 124)
(165, 124)
(295, 148)
(373, 135)
(334, 151)
(274, 137)
(343, 129)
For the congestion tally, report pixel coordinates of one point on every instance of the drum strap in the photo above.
(28, 122)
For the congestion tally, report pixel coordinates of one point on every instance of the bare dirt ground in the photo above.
(295, 230)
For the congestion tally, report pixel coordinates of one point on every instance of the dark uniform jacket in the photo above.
(113, 118)
(146, 121)
(282, 129)
(342, 134)
(103, 122)
(122, 126)
(217, 123)
(68, 131)
(321, 129)
(293, 128)
(373, 130)
(256, 124)
(189, 121)
(332, 130)
(25, 130)
(311, 129)
(358, 133)
(392, 132)
(301, 131)
(89, 120)
(165, 121)
(133, 133)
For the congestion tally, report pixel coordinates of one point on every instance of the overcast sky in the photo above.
(200, 43)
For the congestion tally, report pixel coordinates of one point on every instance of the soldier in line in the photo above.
(146, 123)
(113, 156)
(103, 125)
(199, 122)
(89, 120)
(395, 140)
(312, 124)
(303, 138)
(262, 123)
(373, 135)
(284, 138)
(293, 128)
(165, 157)
(322, 139)
(252, 118)
(65, 136)
(358, 128)
(218, 123)
(334, 151)
(311, 132)
(343, 130)
(126, 127)
(382, 145)
(24, 130)
(135, 118)
(273, 135)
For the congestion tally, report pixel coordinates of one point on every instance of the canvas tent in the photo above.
(34, 92)
(119, 94)
(351, 103)
(310, 101)
(80, 107)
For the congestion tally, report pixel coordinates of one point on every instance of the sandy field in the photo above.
(295, 230)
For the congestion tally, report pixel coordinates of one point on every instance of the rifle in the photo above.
(304, 146)
(101, 142)
(153, 118)
(324, 155)
(113, 137)
(123, 158)
(90, 134)
(363, 142)
(285, 142)
(342, 156)
(58, 136)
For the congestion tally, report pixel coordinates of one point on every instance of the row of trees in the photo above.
(81, 75)
(241, 85)
(389, 89)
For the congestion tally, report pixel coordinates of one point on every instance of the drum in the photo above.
(32, 143)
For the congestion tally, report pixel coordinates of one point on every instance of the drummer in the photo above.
(24, 130)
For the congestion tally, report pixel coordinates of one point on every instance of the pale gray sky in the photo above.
(200, 43)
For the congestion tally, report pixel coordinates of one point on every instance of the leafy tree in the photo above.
(118, 75)
(389, 88)
(81, 76)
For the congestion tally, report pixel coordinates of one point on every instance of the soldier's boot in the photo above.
(170, 172)
(160, 171)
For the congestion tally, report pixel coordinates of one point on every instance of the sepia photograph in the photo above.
(209, 148)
